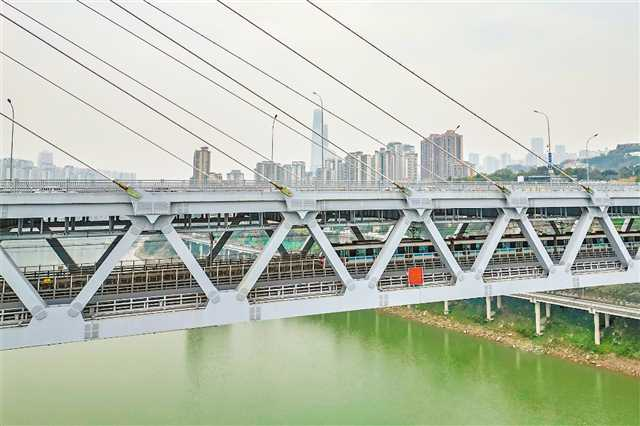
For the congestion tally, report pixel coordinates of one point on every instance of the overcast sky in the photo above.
(579, 62)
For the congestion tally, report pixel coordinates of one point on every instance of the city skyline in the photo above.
(510, 87)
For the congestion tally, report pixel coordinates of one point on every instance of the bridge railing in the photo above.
(82, 186)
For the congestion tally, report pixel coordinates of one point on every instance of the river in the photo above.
(353, 368)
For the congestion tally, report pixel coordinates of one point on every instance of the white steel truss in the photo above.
(64, 323)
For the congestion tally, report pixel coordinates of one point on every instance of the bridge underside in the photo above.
(307, 257)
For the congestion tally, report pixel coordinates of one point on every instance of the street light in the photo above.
(13, 117)
(586, 146)
(549, 167)
(273, 125)
(322, 133)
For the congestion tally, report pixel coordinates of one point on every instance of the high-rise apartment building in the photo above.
(474, 158)
(201, 162)
(437, 164)
(537, 146)
(235, 176)
(505, 160)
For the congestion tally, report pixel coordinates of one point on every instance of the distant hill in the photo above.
(625, 155)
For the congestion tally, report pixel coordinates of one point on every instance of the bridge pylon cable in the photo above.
(259, 96)
(101, 112)
(278, 81)
(446, 95)
(122, 185)
(282, 188)
(207, 78)
(146, 86)
(502, 188)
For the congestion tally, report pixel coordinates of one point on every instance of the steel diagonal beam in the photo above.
(21, 286)
(308, 243)
(191, 263)
(441, 247)
(535, 242)
(491, 243)
(614, 239)
(330, 253)
(257, 267)
(357, 232)
(62, 253)
(580, 231)
(117, 252)
(107, 252)
(283, 251)
(219, 245)
(388, 250)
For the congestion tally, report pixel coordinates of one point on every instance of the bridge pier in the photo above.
(499, 302)
(446, 307)
(538, 318)
(596, 328)
(547, 310)
(488, 308)
(607, 320)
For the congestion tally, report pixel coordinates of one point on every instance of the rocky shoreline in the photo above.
(630, 367)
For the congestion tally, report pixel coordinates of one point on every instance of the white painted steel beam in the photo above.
(103, 271)
(260, 263)
(330, 253)
(580, 230)
(614, 238)
(534, 241)
(388, 250)
(21, 286)
(441, 247)
(190, 262)
(490, 244)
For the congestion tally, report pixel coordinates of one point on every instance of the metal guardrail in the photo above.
(92, 186)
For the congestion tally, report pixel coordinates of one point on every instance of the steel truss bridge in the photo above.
(539, 237)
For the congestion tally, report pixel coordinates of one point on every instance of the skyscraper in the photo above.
(474, 158)
(202, 162)
(435, 163)
(537, 146)
(318, 143)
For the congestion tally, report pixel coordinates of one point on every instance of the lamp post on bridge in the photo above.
(322, 134)
(550, 162)
(13, 117)
(586, 148)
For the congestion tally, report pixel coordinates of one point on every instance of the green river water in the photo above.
(352, 368)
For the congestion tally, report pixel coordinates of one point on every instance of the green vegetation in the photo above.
(565, 327)
(623, 162)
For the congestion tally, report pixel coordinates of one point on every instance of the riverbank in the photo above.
(508, 331)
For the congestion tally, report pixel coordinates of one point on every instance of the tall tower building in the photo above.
(318, 143)
(201, 161)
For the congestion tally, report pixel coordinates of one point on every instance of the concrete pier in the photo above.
(538, 319)
(596, 327)
(489, 310)
(446, 307)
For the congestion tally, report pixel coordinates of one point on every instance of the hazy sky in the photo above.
(579, 62)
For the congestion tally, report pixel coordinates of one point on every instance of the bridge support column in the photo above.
(498, 302)
(596, 328)
(446, 307)
(538, 318)
(488, 308)
(607, 320)
(547, 310)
